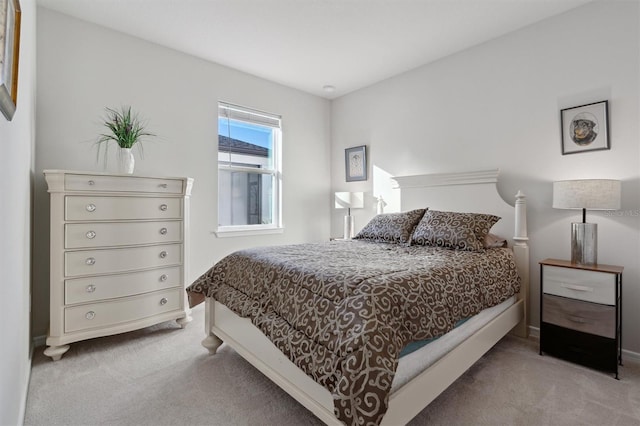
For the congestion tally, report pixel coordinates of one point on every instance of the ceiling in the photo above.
(310, 44)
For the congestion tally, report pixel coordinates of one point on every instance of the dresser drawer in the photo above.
(104, 314)
(91, 289)
(587, 317)
(122, 184)
(121, 208)
(89, 235)
(91, 262)
(590, 286)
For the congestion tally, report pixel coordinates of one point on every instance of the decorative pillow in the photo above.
(494, 241)
(461, 231)
(391, 227)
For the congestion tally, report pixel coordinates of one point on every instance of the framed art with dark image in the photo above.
(9, 53)
(585, 128)
(355, 162)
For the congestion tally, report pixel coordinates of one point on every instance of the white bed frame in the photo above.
(462, 192)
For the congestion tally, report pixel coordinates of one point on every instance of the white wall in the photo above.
(83, 68)
(17, 139)
(497, 106)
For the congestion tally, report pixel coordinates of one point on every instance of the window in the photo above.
(249, 175)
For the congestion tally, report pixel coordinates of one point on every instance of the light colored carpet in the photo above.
(162, 376)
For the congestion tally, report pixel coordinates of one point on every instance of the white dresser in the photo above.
(118, 249)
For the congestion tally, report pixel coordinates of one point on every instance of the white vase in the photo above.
(126, 162)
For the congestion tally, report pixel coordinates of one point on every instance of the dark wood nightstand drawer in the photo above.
(582, 316)
(586, 349)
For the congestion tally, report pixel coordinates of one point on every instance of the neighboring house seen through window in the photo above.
(249, 175)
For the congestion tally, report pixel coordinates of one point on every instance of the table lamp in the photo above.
(349, 200)
(586, 194)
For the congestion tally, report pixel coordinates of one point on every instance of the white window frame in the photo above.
(252, 116)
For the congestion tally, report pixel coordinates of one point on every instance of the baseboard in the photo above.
(534, 333)
(23, 400)
(39, 341)
(635, 356)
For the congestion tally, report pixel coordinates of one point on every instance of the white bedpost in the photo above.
(211, 342)
(521, 253)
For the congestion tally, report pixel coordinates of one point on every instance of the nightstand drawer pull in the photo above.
(163, 277)
(90, 235)
(91, 208)
(163, 207)
(91, 182)
(91, 288)
(163, 231)
(576, 287)
(163, 301)
(163, 254)
(578, 320)
(90, 261)
(163, 185)
(90, 315)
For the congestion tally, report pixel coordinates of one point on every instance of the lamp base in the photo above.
(349, 227)
(584, 243)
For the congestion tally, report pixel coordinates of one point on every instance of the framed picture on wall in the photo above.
(585, 128)
(9, 53)
(355, 161)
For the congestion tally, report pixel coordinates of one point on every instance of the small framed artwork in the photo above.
(9, 53)
(355, 161)
(585, 128)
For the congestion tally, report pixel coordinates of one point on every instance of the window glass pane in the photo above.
(248, 140)
(245, 198)
(245, 144)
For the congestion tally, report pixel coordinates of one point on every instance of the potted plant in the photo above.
(126, 130)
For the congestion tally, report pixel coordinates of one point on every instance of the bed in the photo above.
(344, 365)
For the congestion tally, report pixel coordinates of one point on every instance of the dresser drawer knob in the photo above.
(91, 235)
(90, 261)
(91, 288)
(163, 301)
(163, 277)
(90, 315)
(163, 254)
(91, 183)
(91, 208)
(163, 185)
(163, 207)
(163, 231)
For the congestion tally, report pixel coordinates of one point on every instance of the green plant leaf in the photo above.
(125, 128)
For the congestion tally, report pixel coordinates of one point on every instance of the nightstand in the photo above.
(581, 313)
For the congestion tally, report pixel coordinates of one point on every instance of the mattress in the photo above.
(411, 365)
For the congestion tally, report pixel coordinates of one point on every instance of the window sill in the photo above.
(225, 233)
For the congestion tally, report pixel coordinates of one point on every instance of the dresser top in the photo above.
(66, 181)
(95, 173)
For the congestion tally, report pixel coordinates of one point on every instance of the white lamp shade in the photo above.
(349, 200)
(590, 194)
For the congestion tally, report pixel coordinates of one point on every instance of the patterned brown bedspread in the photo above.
(342, 311)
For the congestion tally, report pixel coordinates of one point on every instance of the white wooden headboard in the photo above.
(474, 192)
(471, 192)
